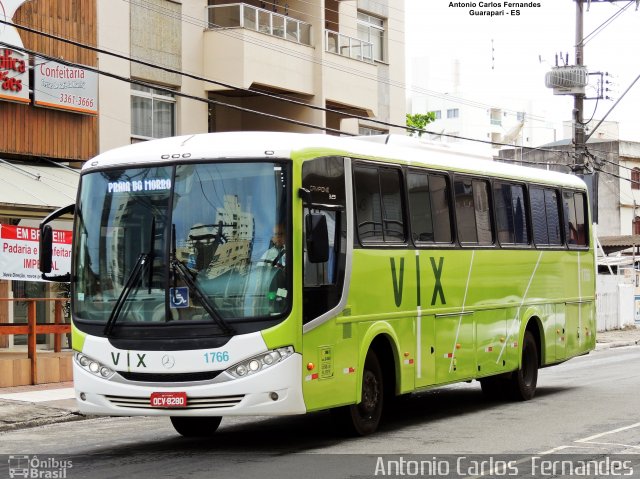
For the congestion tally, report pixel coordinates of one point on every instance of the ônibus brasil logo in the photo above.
(38, 467)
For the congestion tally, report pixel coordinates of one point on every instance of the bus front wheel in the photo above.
(363, 418)
(189, 426)
(525, 379)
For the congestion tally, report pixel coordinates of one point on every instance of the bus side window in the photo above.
(539, 216)
(379, 205)
(473, 211)
(321, 274)
(429, 207)
(553, 216)
(575, 218)
(511, 217)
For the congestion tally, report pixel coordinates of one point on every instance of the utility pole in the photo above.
(572, 80)
(578, 98)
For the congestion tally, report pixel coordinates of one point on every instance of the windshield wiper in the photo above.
(186, 276)
(133, 278)
(136, 274)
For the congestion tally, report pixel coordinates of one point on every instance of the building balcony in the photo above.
(241, 15)
(346, 46)
(248, 46)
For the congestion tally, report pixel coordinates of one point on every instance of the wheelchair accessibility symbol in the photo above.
(179, 297)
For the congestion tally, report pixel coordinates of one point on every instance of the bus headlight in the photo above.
(260, 362)
(93, 366)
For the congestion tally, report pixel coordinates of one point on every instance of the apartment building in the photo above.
(245, 60)
(450, 89)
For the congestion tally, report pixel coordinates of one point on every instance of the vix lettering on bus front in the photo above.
(397, 277)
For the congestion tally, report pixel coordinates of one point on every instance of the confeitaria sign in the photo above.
(65, 87)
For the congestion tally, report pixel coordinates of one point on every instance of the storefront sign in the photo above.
(65, 87)
(19, 249)
(14, 75)
(14, 65)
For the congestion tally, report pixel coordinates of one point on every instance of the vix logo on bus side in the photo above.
(398, 280)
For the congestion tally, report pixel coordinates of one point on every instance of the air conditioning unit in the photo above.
(569, 80)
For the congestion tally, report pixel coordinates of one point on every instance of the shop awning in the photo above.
(611, 244)
(29, 190)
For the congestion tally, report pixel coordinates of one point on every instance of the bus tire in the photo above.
(525, 379)
(191, 426)
(363, 418)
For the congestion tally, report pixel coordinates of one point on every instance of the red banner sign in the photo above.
(19, 250)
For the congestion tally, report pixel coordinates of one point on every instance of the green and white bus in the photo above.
(280, 273)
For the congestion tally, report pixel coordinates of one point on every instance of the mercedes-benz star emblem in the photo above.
(168, 361)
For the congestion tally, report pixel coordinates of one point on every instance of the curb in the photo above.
(43, 421)
(616, 344)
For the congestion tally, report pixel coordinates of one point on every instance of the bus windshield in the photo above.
(179, 242)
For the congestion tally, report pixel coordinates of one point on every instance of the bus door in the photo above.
(329, 342)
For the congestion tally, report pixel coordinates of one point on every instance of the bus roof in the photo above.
(266, 145)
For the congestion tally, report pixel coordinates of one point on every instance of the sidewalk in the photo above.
(30, 406)
(628, 336)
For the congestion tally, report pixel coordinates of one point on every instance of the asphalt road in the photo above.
(589, 405)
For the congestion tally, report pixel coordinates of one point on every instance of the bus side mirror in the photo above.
(317, 238)
(46, 248)
(45, 253)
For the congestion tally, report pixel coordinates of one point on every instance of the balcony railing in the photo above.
(241, 15)
(346, 46)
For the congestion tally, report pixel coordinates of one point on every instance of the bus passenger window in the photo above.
(368, 209)
(429, 208)
(465, 216)
(473, 212)
(545, 217)
(511, 218)
(575, 218)
(379, 208)
(553, 216)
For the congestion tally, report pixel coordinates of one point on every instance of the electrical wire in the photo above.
(231, 33)
(617, 176)
(357, 72)
(177, 93)
(604, 25)
(197, 77)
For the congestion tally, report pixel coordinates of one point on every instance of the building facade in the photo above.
(251, 66)
(48, 121)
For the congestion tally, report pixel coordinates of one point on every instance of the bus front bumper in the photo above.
(274, 391)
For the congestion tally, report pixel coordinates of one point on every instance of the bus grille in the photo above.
(213, 402)
(169, 378)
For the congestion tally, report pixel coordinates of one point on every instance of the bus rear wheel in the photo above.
(363, 418)
(189, 426)
(525, 379)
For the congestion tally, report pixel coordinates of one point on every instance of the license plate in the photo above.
(169, 400)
